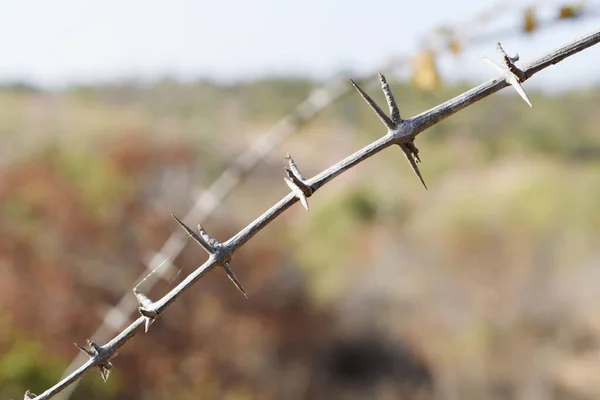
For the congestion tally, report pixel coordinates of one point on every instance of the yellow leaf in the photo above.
(455, 46)
(569, 12)
(530, 22)
(425, 73)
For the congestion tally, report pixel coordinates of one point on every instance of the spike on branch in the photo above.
(203, 239)
(294, 167)
(234, 279)
(28, 395)
(146, 307)
(412, 156)
(509, 62)
(384, 118)
(101, 356)
(389, 97)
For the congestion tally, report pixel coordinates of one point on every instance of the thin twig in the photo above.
(403, 133)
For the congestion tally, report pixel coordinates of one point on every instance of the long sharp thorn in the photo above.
(234, 279)
(294, 168)
(517, 85)
(384, 118)
(194, 235)
(86, 351)
(411, 159)
(391, 101)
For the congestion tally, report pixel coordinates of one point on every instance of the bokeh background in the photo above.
(113, 116)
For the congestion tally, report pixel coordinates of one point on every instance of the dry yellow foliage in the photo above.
(569, 11)
(530, 21)
(425, 72)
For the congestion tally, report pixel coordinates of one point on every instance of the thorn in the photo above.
(234, 279)
(86, 351)
(514, 82)
(103, 357)
(147, 322)
(294, 168)
(384, 118)
(304, 202)
(28, 395)
(146, 308)
(105, 371)
(298, 192)
(212, 242)
(205, 244)
(391, 101)
(96, 348)
(412, 156)
(504, 55)
(142, 299)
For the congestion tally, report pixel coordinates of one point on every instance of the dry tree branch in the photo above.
(208, 201)
(399, 132)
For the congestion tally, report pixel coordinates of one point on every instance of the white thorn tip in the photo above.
(514, 82)
(147, 322)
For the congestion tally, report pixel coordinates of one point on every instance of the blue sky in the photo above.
(72, 41)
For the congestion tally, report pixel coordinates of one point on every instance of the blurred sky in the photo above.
(54, 43)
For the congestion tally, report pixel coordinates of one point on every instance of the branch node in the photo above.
(513, 75)
(100, 355)
(28, 395)
(213, 248)
(297, 183)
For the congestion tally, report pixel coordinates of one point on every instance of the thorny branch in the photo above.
(209, 200)
(399, 132)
